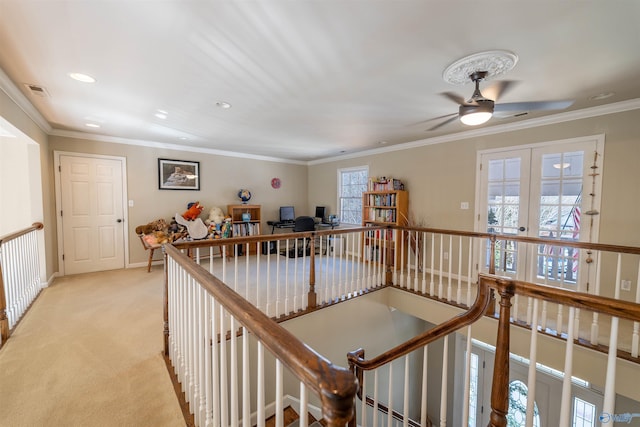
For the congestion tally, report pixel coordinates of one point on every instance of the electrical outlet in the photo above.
(464, 205)
(625, 285)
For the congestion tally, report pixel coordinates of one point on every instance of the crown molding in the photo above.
(167, 146)
(12, 91)
(617, 107)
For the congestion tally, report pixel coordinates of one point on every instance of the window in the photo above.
(584, 413)
(518, 405)
(352, 182)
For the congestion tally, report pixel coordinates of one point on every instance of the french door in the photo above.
(540, 191)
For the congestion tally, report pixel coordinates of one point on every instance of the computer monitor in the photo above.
(321, 212)
(287, 213)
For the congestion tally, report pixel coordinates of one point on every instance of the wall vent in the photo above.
(37, 90)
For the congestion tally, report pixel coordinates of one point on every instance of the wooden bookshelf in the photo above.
(383, 208)
(241, 226)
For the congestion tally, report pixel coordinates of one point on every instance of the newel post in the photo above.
(166, 303)
(500, 385)
(311, 296)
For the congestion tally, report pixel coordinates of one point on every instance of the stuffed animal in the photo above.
(193, 212)
(216, 216)
(157, 225)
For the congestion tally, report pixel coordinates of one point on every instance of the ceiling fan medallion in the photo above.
(493, 62)
(479, 109)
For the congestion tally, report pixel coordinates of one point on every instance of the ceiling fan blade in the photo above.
(432, 119)
(446, 122)
(498, 89)
(454, 97)
(533, 106)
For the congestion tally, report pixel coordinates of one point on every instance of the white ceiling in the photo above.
(306, 79)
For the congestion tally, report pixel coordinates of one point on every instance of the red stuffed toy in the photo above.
(193, 212)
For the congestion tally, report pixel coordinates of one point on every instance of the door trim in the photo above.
(125, 197)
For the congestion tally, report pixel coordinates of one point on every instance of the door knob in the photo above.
(119, 220)
(522, 229)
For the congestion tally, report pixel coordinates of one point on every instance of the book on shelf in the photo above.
(246, 229)
(384, 184)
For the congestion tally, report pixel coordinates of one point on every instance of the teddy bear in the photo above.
(216, 216)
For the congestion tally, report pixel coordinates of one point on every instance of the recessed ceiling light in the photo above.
(92, 125)
(600, 96)
(161, 114)
(84, 78)
(183, 138)
(222, 104)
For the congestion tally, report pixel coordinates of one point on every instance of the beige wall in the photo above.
(439, 177)
(221, 178)
(10, 111)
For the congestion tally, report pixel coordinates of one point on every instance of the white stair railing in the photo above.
(216, 342)
(20, 281)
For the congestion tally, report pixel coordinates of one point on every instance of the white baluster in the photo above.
(215, 365)
(636, 325)
(441, 266)
(279, 394)
(443, 380)
(467, 380)
(405, 407)
(423, 403)
(459, 293)
(595, 322)
(390, 394)
(260, 386)
(375, 398)
(246, 375)
(363, 401)
(449, 287)
(433, 254)
(469, 271)
(424, 262)
(610, 381)
(533, 357)
(304, 419)
(224, 391)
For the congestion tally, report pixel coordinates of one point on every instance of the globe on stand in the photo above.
(244, 195)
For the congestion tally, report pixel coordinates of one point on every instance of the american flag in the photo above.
(576, 235)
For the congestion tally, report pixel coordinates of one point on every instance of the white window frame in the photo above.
(342, 171)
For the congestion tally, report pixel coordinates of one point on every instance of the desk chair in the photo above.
(302, 224)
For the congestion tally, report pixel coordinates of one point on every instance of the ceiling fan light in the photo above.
(477, 118)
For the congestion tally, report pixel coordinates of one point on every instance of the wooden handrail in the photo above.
(4, 320)
(537, 240)
(610, 306)
(8, 237)
(335, 385)
(475, 312)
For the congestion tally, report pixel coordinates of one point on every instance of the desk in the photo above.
(291, 225)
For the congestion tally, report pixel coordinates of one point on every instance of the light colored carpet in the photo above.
(88, 353)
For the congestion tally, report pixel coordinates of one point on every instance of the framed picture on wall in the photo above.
(178, 175)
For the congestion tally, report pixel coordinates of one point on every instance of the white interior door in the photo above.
(92, 213)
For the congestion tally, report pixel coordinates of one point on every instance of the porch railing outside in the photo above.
(19, 276)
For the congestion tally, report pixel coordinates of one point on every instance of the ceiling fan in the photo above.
(479, 109)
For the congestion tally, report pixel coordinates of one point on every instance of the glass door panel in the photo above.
(506, 199)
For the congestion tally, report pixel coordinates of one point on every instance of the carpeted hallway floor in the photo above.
(88, 353)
